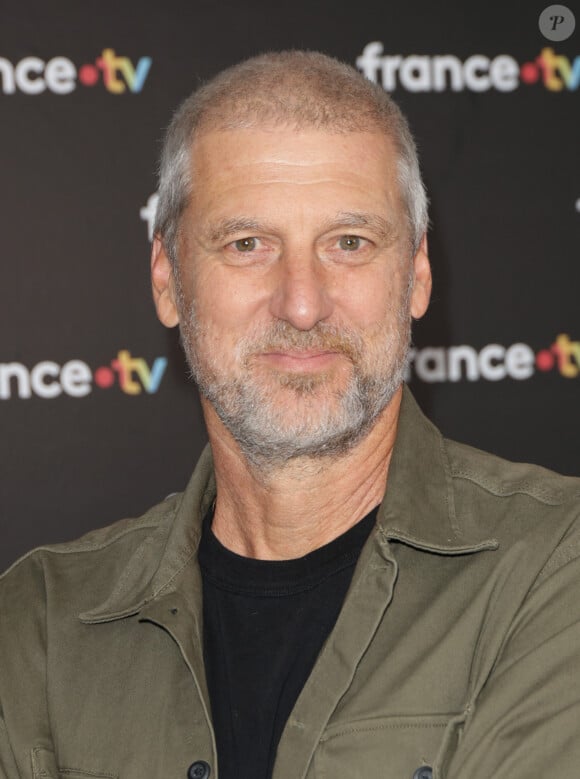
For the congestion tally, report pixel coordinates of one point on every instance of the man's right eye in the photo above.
(245, 244)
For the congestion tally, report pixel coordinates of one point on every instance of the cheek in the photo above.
(231, 301)
(227, 310)
(369, 302)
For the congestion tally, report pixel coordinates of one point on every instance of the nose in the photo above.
(302, 295)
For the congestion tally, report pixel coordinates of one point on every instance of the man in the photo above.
(339, 591)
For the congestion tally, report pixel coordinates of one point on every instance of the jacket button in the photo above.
(198, 770)
(424, 772)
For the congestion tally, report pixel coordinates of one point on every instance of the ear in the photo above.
(422, 281)
(163, 284)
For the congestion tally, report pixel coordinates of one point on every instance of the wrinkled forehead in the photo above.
(306, 141)
(221, 160)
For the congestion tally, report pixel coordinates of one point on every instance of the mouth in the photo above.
(299, 361)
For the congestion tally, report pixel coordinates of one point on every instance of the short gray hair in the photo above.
(296, 88)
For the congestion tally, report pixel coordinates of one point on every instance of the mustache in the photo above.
(282, 336)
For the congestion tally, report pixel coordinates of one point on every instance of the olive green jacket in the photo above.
(458, 645)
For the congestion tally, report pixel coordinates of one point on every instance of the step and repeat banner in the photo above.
(98, 419)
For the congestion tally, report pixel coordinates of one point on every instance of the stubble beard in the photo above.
(282, 416)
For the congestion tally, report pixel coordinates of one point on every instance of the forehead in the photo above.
(305, 164)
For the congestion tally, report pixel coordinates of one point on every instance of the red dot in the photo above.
(104, 377)
(529, 72)
(88, 75)
(545, 360)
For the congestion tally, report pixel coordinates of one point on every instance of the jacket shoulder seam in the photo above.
(80, 546)
(529, 487)
(565, 552)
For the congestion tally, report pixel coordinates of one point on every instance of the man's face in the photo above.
(295, 286)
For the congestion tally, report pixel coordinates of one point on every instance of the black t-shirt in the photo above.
(264, 625)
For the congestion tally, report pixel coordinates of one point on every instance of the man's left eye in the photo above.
(245, 244)
(349, 243)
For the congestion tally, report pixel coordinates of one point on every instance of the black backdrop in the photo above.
(86, 90)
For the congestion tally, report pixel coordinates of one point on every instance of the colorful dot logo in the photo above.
(48, 379)
(118, 73)
(33, 76)
(494, 362)
(88, 75)
(476, 73)
(104, 377)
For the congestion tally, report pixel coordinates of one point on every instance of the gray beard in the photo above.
(266, 442)
(327, 423)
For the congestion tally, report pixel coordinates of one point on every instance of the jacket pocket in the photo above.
(44, 766)
(385, 747)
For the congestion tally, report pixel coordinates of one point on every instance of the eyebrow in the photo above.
(227, 227)
(383, 227)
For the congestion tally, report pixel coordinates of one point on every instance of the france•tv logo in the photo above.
(477, 73)
(48, 380)
(33, 75)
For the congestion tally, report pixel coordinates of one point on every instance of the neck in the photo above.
(286, 512)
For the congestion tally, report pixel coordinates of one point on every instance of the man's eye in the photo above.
(349, 243)
(246, 244)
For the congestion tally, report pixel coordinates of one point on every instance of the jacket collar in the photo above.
(419, 505)
(158, 566)
(418, 510)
